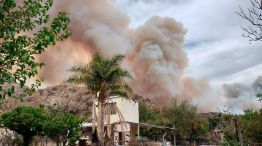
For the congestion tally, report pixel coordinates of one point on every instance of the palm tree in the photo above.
(103, 78)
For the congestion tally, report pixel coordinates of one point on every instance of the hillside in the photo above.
(73, 99)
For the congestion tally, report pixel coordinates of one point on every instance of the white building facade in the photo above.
(121, 120)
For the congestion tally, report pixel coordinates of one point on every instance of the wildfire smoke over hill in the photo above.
(154, 52)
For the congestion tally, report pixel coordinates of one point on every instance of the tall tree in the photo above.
(23, 35)
(63, 127)
(27, 121)
(104, 78)
(253, 15)
(189, 124)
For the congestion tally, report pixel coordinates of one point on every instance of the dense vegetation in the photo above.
(59, 126)
(26, 121)
(24, 33)
(207, 128)
(189, 125)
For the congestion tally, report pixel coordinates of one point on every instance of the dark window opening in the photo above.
(112, 108)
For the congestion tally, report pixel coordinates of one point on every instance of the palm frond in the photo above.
(127, 88)
(117, 59)
(79, 69)
(75, 79)
(119, 93)
(117, 74)
(102, 75)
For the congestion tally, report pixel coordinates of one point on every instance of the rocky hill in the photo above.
(70, 98)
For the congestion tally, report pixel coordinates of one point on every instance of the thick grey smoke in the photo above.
(240, 96)
(236, 90)
(257, 85)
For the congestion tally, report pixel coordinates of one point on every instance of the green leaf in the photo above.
(9, 66)
(22, 83)
(25, 57)
(13, 79)
(10, 91)
(19, 50)
(2, 96)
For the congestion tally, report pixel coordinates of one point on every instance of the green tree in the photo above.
(104, 78)
(24, 33)
(63, 127)
(188, 123)
(27, 121)
(147, 113)
(252, 127)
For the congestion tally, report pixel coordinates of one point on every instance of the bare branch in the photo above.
(253, 15)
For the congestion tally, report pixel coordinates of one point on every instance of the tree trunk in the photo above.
(100, 122)
(64, 143)
(57, 143)
(27, 140)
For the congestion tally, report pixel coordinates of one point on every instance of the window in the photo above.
(112, 108)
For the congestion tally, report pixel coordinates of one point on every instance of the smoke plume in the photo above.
(154, 52)
(96, 25)
(240, 96)
(236, 90)
(257, 85)
(158, 62)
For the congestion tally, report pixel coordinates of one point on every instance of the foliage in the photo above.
(150, 115)
(215, 128)
(215, 121)
(147, 114)
(63, 127)
(30, 121)
(252, 127)
(181, 115)
(23, 36)
(103, 77)
(226, 127)
(187, 121)
(27, 121)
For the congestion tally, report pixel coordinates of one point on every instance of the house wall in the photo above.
(133, 132)
(128, 110)
(128, 131)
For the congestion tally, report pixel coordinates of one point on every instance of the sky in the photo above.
(214, 43)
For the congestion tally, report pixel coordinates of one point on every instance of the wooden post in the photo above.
(174, 136)
(138, 131)
(174, 139)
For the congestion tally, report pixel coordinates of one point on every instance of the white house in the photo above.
(121, 120)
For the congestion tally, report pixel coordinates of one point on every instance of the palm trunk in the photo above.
(100, 122)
